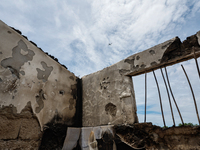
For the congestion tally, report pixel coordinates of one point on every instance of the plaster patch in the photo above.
(164, 46)
(71, 77)
(44, 75)
(153, 63)
(111, 109)
(18, 58)
(105, 83)
(123, 71)
(132, 63)
(71, 103)
(152, 52)
(39, 100)
(138, 57)
(126, 93)
(8, 80)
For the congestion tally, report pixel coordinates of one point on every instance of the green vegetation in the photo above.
(188, 124)
(165, 127)
(180, 124)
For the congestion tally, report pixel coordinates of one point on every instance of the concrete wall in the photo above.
(108, 97)
(28, 75)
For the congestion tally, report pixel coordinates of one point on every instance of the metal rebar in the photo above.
(192, 94)
(173, 96)
(145, 96)
(159, 98)
(168, 97)
(196, 62)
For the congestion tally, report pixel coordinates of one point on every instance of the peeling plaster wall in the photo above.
(27, 74)
(108, 98)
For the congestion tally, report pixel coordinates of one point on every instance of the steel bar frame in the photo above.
(195, 58)
(168, 97)
(160, 99)
(145, 96)
(192, 94)
(173, 96)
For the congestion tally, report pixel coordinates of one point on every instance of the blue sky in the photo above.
(78, 33)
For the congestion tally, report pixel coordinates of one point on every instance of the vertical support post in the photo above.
(145, 96)
(159, 98)
(168, 96)
(196, 62)
(192, 94)
(173, 96)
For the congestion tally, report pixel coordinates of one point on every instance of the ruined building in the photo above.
(45, 106)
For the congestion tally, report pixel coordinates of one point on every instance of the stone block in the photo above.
(9, 128)
(19, 145)
(30, 129)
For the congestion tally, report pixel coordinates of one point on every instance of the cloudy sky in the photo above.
(78, 33)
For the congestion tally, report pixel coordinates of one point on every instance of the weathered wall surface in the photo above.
(108, 97)
(164, 54)
(19, 130)
(28, 75)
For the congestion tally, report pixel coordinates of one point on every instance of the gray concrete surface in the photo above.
(108, 98)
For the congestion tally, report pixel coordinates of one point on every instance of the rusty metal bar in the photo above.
(196, 62)
(192, 94)
(159, 98)
(173, 96)
(168, 96)
(145, 96)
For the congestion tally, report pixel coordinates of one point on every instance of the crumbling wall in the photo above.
(29, 76)
(19, 130)
(143, 136)
(167, 53)
(148, 136)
